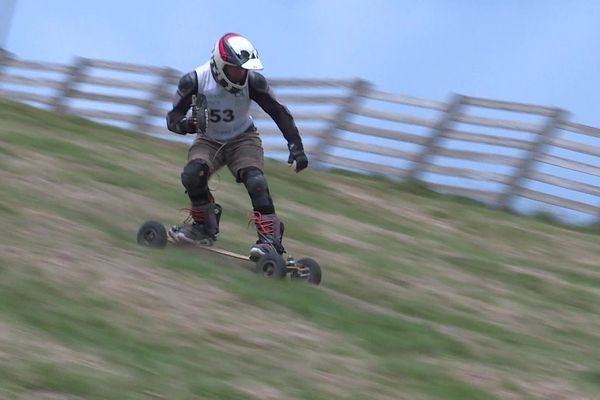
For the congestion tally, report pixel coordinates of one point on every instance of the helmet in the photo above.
(236, 50)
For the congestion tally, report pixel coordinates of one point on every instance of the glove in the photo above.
(188, 125)
(297, 154)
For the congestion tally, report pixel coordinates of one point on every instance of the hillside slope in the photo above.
(422, 297)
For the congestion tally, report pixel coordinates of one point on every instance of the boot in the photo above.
(204, 227)
(270, 234)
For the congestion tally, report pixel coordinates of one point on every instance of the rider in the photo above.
(227, 83)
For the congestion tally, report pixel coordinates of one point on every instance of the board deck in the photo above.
(218, 251)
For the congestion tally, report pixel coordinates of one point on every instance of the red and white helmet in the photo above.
(233, 49)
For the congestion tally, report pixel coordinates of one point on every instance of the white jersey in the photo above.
(229, 115)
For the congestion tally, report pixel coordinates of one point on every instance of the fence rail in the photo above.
(502, 153)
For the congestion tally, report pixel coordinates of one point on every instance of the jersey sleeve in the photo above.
(262, 94)
(187, 87)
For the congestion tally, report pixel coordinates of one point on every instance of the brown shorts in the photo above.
(243, 152)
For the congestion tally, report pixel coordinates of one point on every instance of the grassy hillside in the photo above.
(422, 297)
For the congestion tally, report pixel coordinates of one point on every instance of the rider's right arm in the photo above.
(176, 120)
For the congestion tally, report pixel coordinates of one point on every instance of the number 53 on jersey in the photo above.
(217, 115)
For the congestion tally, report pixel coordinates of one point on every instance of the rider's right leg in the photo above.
(204, 213)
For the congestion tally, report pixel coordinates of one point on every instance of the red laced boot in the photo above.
(270, 234)
(203, 228)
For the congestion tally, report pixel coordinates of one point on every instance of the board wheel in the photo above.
(307, 270)
(271, 265)
(152, 234)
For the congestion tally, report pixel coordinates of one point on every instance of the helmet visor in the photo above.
(252, 63)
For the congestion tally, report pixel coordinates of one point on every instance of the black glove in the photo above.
(297, 154)
(188, 125)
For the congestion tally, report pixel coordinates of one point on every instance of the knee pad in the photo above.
(194, 178)
(256, 184)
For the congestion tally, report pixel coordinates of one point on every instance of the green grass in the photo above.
(423, 296)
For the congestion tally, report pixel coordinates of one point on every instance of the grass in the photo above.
(423, 296)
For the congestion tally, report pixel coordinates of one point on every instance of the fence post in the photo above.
(431, 144)
(543, 139)
(330, 134)
(68, 86)
(149, 108)
(5, 58)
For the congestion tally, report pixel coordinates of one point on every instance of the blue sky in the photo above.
(543, 52)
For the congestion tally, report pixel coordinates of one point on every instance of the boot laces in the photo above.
(264, 227)
(194, 214)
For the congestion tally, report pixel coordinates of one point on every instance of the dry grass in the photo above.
(519, 298)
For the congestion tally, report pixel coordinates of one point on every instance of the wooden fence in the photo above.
(506, 154)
